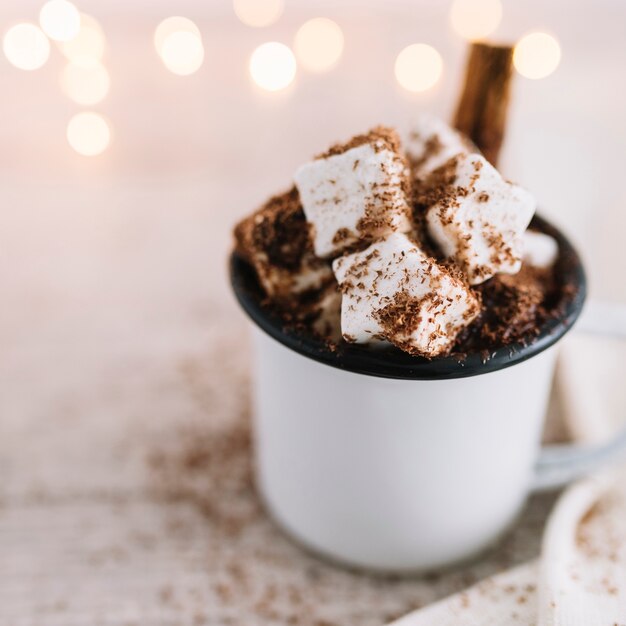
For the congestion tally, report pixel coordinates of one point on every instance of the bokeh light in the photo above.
(537, 55)
(475, 19)
(319, 44)
(171, 25)
(418, 67)
(182, 52)
(273, 66)
(85, 85)
(60, 20)
(87, 48)
(25, 46)
(88, 133)
(258, 13)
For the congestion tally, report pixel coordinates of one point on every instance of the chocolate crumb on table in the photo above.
(199, 473)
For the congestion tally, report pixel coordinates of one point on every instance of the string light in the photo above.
(87, 48)
(182, 52)
(537, 55)
(418, 67)
(258, 13)
(85, 85)
(60, 20)
(172, 25)
(475, 19)
(88, 134)
(319, 44)
(272, 66)
(26, 47)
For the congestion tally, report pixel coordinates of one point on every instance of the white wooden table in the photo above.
(125, 495)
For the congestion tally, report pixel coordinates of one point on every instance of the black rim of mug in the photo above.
(390, 362)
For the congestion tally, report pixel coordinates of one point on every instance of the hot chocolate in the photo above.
(425, 248)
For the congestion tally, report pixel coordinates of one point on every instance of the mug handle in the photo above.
(560, 464)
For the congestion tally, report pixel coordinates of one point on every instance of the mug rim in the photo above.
(391, 362)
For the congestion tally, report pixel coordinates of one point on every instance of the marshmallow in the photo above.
(275, 240)
(478, 218)
(327, 322)
(431, 142)
(356, 192)
(540, 250)
(393, 291)
(279, 282)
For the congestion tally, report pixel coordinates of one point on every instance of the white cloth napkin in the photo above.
(580, 578)
(508, 598)
(582, 575)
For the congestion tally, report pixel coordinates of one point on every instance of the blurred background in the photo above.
(134, 134)
(188, 135)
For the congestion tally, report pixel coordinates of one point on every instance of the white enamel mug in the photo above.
(389, 462)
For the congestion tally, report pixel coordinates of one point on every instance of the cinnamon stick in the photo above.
(482, 110)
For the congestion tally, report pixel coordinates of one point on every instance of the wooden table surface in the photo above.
(126, 494)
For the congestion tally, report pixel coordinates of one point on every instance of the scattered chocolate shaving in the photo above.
(385, 137)
(514, 308)
(278, 229)
(380, 138)
(343, 234)
(276, 241)
(432, 147)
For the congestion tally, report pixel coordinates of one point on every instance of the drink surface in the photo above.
(421, 247)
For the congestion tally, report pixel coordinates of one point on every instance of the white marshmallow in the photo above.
(357, 194)
(311, 275)
(282, 216)
(328, 321)
(279, 282)
(431, 142)
(480, 219)
(540, 250)
(393, 291)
